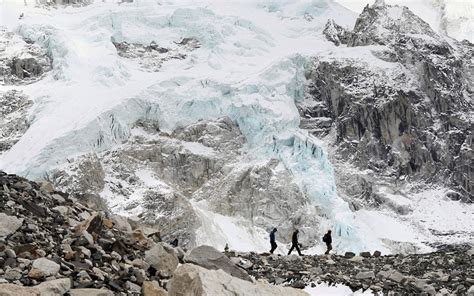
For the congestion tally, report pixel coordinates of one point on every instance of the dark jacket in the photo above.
(272, 236)
(294, 238)
(327, 238)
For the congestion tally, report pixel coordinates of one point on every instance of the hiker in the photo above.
(328, 240)
(174, 243)
(294, 243)
(272, 240)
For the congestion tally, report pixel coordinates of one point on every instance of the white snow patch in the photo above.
(198, 149)
(335, 290)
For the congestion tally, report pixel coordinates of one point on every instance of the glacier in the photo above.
(250, 67)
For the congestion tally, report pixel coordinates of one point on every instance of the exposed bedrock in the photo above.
(412, 119)
(21, 60)
(156, 176)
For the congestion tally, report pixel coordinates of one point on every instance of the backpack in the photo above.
(325, 239)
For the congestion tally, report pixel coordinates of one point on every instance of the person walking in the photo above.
(272, 240)
(328, 240)
(294, 243)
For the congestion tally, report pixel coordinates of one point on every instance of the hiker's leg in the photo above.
(291, 249)
(298, 249)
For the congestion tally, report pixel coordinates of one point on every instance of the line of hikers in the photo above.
(296, 245)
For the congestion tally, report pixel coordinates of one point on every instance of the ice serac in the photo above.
(183, 115)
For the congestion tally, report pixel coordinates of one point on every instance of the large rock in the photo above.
(9, 224)
(15, 290)
(153, 289)
(210, 258)
(192, 280)
(55, 287)
(90, 292)
(49, 288)
(43, 267)
(163, 258)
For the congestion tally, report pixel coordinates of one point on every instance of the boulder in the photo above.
(349, 255)
(15, 290)
(365, 254)
(377, 254)
(55, 287)
(9, 224)
(49, 288)
(362, 275)
(43, 267)
(163, 258)
(192, 280)
(153, 289)
(210, 258)
(91, 292)
(470, 292)
(46, 187)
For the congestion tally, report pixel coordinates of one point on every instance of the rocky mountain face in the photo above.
(411, 121)
(21, 62)
(14, 122)
(152, 56)
(159, 178)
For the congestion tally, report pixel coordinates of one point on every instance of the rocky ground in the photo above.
(51, 244)
(447, 272)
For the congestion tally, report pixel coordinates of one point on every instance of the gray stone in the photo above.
(192, 280)
(55, 287)
(362, 275)
(12, 274)
(470, 292)
(43, 267)
(132, 288)
(349, 255)
(91, 292)
(395, 276)
(210, 258)
(163, 258)
(9, 224)
(377, 254)
(153, 289)
(10, 253)
(365, 254)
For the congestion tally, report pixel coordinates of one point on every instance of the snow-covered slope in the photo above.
(248, 63)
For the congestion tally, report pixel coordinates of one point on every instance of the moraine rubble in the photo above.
(51, 244)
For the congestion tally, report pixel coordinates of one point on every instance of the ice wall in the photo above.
(250, 68)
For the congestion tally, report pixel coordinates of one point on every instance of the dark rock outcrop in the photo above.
(27, 64)
(411, 118)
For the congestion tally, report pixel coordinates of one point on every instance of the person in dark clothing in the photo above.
(272, 240)
(174, 243)
(328, 240)
(294, 243)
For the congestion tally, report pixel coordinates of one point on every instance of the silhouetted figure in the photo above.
(272, 240)
(174, 243)
(294, 243)
(328, 240)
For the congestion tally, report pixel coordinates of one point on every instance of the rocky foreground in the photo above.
(448, 272)
(51, 244)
